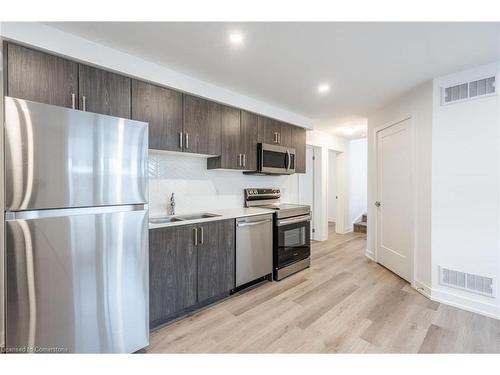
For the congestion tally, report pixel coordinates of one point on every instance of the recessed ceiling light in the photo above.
(236, 38)
(323, 88)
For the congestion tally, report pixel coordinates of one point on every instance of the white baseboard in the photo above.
(487, 309)
(370, 254)
(348, 230)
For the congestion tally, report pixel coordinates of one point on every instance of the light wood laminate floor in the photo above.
(344, 303)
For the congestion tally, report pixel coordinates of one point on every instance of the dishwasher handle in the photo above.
(252, 223)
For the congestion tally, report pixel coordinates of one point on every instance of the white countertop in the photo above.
(230, 213)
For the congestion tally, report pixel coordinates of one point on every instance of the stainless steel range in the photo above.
(292, 242)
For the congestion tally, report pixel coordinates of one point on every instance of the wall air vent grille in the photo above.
(468, 90)
(466, 281)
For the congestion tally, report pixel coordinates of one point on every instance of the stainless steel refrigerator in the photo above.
(76, 217)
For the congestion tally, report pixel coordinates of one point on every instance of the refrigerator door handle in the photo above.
(38, 214)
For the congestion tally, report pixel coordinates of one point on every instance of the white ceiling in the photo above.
(366, 64)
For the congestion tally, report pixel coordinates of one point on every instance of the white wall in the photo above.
(416, 104)
(465, 190)
(332, 186)
(198, 189)
(357, 174)
(71, 46)
(325, 142)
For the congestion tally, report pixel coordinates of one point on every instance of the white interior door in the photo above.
(306, 184)
(395, 199)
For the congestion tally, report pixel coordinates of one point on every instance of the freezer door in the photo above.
(57, 157)
(78, 283)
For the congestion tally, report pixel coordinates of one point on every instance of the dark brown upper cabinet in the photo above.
(202, 126)
(269, 130)
(230, 157)
(40, 77)
(239, 141)
(286, 136)
(104, 92)
(248, 140)
(162, 109)
(299, 143)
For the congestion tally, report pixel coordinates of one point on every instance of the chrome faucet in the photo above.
(172, 204)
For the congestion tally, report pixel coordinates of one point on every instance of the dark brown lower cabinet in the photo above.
(189, 265)
(172, 272)
(216, 259)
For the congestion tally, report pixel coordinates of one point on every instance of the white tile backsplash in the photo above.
(198, 189)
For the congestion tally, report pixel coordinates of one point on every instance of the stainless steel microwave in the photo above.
(273, 159)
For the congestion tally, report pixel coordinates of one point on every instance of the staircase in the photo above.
(360, 226)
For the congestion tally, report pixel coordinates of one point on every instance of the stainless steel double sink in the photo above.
(172, 219)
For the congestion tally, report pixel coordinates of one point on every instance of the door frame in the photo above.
(412, 203)
(316, 184)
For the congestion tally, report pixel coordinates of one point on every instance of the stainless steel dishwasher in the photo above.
(254, 248)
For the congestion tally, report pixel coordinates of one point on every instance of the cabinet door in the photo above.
(39, 77)
(162, 109)
(269, 130)
(231, 151)
(202, 126)
(172, 271)
(285, 137)
(299, 143)
(216, 259)
(104, 92)
(248, 139)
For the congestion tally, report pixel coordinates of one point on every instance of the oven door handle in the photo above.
(294, 220)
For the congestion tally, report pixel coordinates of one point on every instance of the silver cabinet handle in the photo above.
(239, 160)
(187, 140)
(244, 160)
(377, 204)
(195, 230)
(201, 235)
(73, 100)
(299, 219)
(180, 140)
(252, 223)
(84, 103)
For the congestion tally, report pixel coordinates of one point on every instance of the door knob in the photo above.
(377, 204)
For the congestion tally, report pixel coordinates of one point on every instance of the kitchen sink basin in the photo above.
(197, 216)
(173, 219)
(163, 220)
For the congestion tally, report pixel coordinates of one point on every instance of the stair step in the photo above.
(360, 227)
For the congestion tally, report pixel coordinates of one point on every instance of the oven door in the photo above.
(292, 240)
(276, 159)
